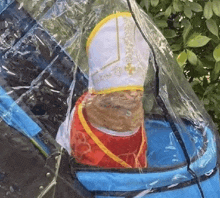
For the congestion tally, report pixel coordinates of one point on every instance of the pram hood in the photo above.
(44, 69)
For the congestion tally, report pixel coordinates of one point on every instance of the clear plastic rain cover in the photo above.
(93, 104)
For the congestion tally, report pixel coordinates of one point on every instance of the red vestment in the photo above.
(93, 147)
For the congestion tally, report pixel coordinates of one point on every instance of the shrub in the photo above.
(192, 30)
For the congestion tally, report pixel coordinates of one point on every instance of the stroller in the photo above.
(44, 70)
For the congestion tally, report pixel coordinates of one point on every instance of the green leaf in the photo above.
(214, 38)
(197, 87)
(216, 70)
(182, 58)
(209, 89)
(196, 7)
(188, 11)
(208, 10)
(173, 11)
(147, 4)
(178, 7)
(214, 101)
(216, 7)
(208, 61)
(197, 40)
(154, 3)
(159, 15)
(206, 101)
(216, 53)
(192, 58)
(209, 57)
(161, 23)
(217, 97)
(177, 22)
(169, 33)
(205, 82)
(212, 26)
(142, 4)
(176, 47)
(168, 11)
(200, 68)
(187, 28)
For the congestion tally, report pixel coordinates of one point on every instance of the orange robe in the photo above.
(93, 147)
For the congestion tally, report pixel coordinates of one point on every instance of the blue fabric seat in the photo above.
(210, 189)
(167, 168)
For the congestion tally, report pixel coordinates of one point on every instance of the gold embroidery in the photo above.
(130, 69)
(129, 45)
(117, 71)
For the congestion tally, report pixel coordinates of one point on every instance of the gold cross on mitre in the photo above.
(130, 69)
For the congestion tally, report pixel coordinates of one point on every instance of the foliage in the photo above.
(192, 30)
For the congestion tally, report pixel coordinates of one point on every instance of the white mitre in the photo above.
(118, 55)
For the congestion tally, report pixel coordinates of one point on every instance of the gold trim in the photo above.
(118, 89)
(97, 141)
(141, 147)
(101, 23)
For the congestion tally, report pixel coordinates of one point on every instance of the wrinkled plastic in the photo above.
(44, 70)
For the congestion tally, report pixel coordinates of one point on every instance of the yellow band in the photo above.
(118, 89)
(97, 141)
(142, 146)
(39, 147)
(101, 23)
